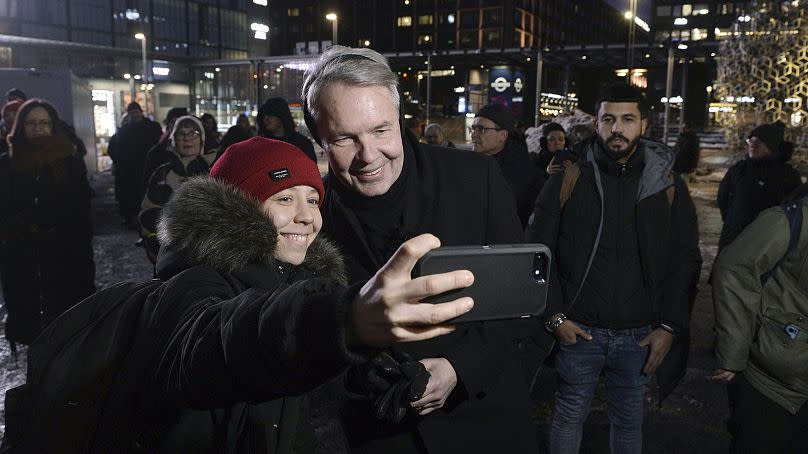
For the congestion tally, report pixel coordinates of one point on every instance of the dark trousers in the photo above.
(759, 425)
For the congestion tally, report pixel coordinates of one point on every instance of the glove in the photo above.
(390, 383)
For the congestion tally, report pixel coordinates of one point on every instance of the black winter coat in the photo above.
(128, 149)
(668, 244)
(242, 336)
(688, 151)
(520, 175)
(463, 199)
(749, 187)
(46, 254)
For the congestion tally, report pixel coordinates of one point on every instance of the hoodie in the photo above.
(278, 107)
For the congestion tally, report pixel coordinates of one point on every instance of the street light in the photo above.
(335, 22)
(142, 38)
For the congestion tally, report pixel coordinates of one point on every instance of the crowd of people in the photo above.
(278, 280)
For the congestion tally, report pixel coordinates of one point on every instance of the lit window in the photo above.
(450, 18)
(424, 39)
(293, 12)
(404, 21)
(425, 20)
(687, 10)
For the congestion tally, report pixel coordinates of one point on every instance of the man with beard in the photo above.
(383, 188)
(627, 260)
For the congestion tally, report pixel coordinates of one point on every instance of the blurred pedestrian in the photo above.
(761, 327)
(186, 158)
(9, 113)
(275, 121)
(239, 132)
(46, 255)
(688, 150)
(128, 149)
(436, 135)
(159, 153)
(15, 94)
(760, 181)
(493, 134)
(213, 137)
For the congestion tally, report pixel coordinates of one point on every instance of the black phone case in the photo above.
(510, 281)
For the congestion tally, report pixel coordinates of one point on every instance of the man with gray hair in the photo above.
(384, 187)
(436, 135)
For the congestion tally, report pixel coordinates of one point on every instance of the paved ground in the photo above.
(691, 420)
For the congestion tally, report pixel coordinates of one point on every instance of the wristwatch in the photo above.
(556, 321)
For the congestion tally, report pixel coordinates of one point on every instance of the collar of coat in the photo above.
(656, 173)
(212, 223)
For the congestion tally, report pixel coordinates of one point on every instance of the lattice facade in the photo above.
(763, 68)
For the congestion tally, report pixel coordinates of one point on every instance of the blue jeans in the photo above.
(617, 351)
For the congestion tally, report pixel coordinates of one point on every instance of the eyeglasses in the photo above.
(38, 124)
(187, 135)
(481, 129)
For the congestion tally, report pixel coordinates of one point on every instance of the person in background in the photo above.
(9, 113)
(626, 244)
(436, 135)
(492, 134)
(15, 94)
(239, 132)
(688, 150)
(160, 154)
(128, 149)
(213, 137)
(761, 327)
(275, 122)
(187, 158)
(46, 254)
(760, 181)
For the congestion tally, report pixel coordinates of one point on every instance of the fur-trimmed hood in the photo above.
(211, 223)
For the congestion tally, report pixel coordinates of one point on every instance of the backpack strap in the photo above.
(568, 182)
(793, 212)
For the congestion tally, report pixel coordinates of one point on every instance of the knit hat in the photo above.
(772, 134)
(499, 114)
(11, 106)
(262, 167)
(186, 120)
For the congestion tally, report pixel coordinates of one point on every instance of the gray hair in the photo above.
(361, 67)
(436, 127)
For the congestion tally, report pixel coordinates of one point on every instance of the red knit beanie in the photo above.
(11, 106)
(262, 167)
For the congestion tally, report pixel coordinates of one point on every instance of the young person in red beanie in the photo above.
(254, 312)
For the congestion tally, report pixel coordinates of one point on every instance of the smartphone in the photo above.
(510, 280)
(565, 155)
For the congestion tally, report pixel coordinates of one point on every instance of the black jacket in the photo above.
(749, 187)
(128, 149)
(668, 242)
(520, 175)
(242, 336)
(46, 254)
(688, 151)
(462, 198)
(279, 108)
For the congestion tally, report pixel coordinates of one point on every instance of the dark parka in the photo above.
(463, 199)
(46, 254)
(252, 334)
(749, 187)
(279, 108)
(128, 149)
(520, 175)
(668, 244)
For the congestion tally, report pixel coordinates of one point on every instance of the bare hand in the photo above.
(660, 342)
(723, 375)
(442, 380)
(388, 307)
(569, 332)
(554, 168)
